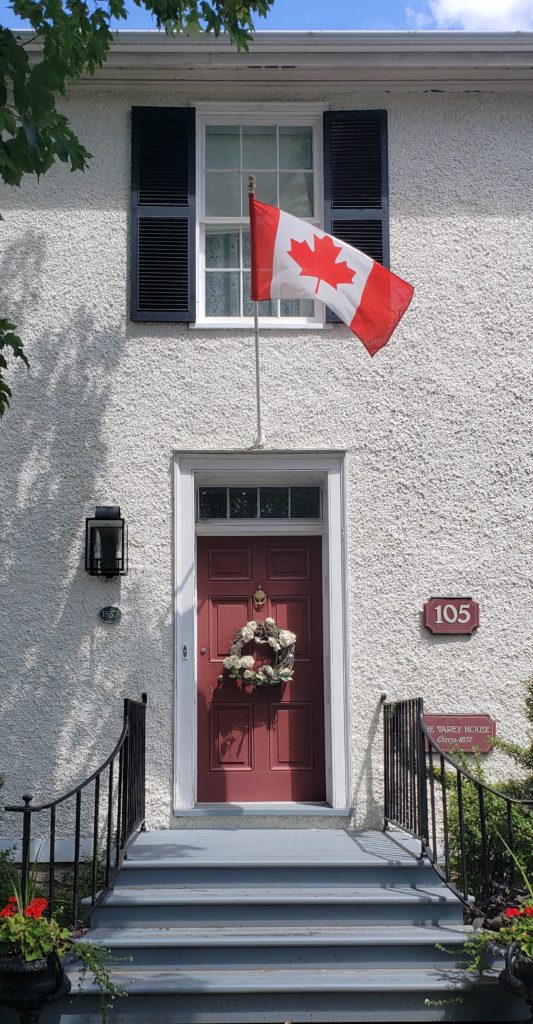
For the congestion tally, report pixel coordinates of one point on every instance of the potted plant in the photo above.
(511, 935)
(33, 947)
(508, 934)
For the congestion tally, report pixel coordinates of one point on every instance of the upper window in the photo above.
(189, 217)
(283, 157)
(258, 503)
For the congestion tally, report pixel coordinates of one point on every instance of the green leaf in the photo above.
(8, 121)
(44, 76)
(75, 38)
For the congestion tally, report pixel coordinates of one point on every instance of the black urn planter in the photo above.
(27, 986)
(517, 975)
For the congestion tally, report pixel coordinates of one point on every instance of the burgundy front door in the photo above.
(266, 744)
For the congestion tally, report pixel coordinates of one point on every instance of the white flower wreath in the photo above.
(282, 643)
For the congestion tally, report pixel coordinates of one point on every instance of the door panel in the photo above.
(230, 564)
(231, 737)
(223, 614)
(267, 744)
(291, 736)
(296, 613)
(288, 564)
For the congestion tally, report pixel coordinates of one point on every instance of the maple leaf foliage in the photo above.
(320, 262)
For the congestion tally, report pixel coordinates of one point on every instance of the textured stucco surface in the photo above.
(436, 429)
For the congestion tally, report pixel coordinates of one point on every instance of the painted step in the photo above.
(259, 997)
(173, 873)
(276, 947)
(156, 906)
(268, 848)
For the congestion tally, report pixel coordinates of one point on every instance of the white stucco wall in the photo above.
(436, 429)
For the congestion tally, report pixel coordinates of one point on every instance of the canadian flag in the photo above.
(291, 259)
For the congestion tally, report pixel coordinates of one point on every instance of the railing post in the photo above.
(142, 769)
(26, 844)
(386, 770)
(422, 775)
(125, 781)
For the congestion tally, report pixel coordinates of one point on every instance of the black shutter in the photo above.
(356, 191)
(163, 214)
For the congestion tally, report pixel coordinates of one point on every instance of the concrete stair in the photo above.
(249, 926)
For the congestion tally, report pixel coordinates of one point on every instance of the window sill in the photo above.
(248, 325)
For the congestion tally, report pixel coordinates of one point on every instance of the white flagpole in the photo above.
(259, 440)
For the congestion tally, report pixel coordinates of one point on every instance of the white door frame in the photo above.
(226, 468)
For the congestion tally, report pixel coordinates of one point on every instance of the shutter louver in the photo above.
(163, 207)
(163, 264)
(365, 235)
(356, 201)
(356, 159)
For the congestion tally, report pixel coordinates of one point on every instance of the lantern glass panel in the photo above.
(106, 546)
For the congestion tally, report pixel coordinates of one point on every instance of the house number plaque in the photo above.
(110, 614)
(452, 615)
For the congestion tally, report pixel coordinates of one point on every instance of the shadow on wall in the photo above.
(370, 775)
(61, 677)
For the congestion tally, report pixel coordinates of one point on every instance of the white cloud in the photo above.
(474, 15)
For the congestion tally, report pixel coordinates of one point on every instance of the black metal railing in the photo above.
(466, 827)
(110, 805)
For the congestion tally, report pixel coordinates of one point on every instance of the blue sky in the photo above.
(470, 15)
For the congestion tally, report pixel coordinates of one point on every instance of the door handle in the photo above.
(203, 650)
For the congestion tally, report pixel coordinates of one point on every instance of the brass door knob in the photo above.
(203, 650)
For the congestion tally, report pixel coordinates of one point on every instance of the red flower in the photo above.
(528, 911)
(11, 899)
(35, 908)
(8, 911)
(512, 912)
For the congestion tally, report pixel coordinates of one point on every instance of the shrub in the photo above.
(504, 883)
(496, 825)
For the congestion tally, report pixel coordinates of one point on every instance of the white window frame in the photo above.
(327, 469)
(303, 114)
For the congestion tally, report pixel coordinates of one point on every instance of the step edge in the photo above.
(221, 898)
(153, 864)
(310, 979)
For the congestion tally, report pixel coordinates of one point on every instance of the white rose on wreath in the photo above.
(232, 663)
(280, 641)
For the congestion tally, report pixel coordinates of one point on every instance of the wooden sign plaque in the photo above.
(464, 732)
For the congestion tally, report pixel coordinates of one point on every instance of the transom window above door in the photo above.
(258, 503)
(284, 158)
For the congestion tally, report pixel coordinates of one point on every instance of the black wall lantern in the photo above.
(106, 543)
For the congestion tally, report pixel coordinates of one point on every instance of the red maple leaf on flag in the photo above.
(321, 262)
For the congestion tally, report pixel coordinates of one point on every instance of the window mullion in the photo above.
(221, 289)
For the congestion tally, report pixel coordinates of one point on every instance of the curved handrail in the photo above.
(120, 802)
(413, 804)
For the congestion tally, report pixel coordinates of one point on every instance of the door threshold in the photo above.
(238, 809)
